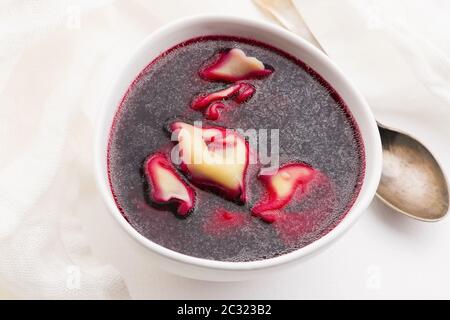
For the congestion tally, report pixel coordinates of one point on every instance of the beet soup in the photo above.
(226, 208)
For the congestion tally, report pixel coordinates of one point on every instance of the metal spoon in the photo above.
(412, 182)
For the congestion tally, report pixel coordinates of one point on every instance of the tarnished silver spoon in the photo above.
(412, 182)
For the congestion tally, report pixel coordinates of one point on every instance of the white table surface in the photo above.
(385, 255)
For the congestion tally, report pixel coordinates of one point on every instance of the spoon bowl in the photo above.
(412, 182)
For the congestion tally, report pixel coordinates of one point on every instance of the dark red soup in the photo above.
(228, 206)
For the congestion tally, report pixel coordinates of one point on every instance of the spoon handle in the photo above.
(287, 15)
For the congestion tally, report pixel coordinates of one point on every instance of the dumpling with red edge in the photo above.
(166, 186)
(213, 158)
(282, 185)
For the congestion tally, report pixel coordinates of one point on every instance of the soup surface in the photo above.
(315, 131)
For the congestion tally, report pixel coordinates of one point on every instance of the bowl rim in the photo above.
(370, 180)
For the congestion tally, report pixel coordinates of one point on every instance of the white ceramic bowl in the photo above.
(188, 28)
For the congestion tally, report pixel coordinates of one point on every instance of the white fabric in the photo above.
(56, 58)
